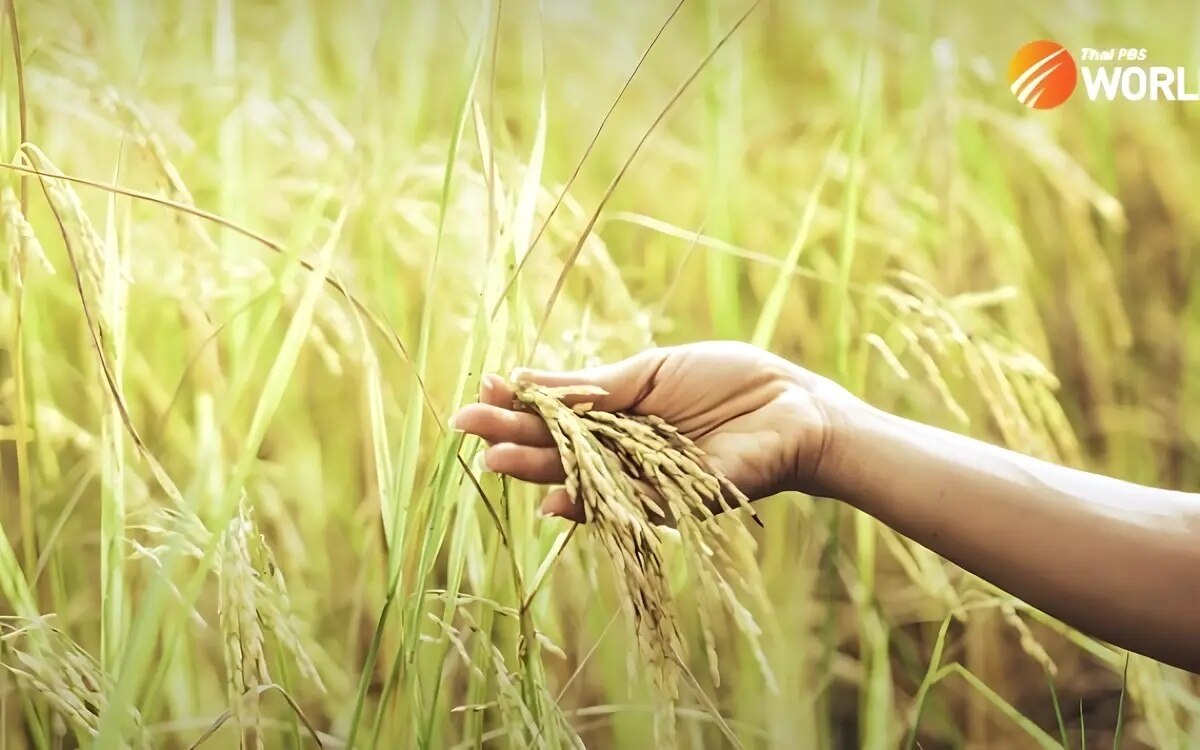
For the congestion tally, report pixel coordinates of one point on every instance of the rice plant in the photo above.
(257, 254)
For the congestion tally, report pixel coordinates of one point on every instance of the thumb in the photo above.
(626, 382)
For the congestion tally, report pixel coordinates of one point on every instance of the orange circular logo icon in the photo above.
(1042, 74)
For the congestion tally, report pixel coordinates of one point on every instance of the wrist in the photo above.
(840, 418)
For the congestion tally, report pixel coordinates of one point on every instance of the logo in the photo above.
(1042, 74)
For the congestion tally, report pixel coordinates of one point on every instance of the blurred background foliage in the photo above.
(850, 185)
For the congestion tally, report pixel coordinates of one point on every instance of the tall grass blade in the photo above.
(772, 306)
(573, 256)
(1118, 731)
(583, 159)
(1058, 715)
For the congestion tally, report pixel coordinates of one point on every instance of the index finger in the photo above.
(626, 383)
(494, 390)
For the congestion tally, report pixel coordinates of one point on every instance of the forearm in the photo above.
(1114, 559)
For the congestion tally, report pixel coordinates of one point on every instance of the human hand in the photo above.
(764, 422)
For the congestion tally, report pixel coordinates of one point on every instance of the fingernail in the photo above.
(454, 423)
(490, 383)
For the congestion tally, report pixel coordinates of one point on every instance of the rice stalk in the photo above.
(629, 473)
(241, 631)
(508, 698)
(876, 342)
(1029, 643)
(45, 661)
(253, 604)
(21, 244)
(91, 244)
(1018, 391)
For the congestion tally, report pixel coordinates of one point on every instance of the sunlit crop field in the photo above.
(290, 237)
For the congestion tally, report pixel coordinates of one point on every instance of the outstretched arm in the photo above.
(1114, 559)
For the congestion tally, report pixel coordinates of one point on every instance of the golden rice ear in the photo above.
(76, 690)
(630, 473)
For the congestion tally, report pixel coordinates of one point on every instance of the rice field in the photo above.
(258, 253)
